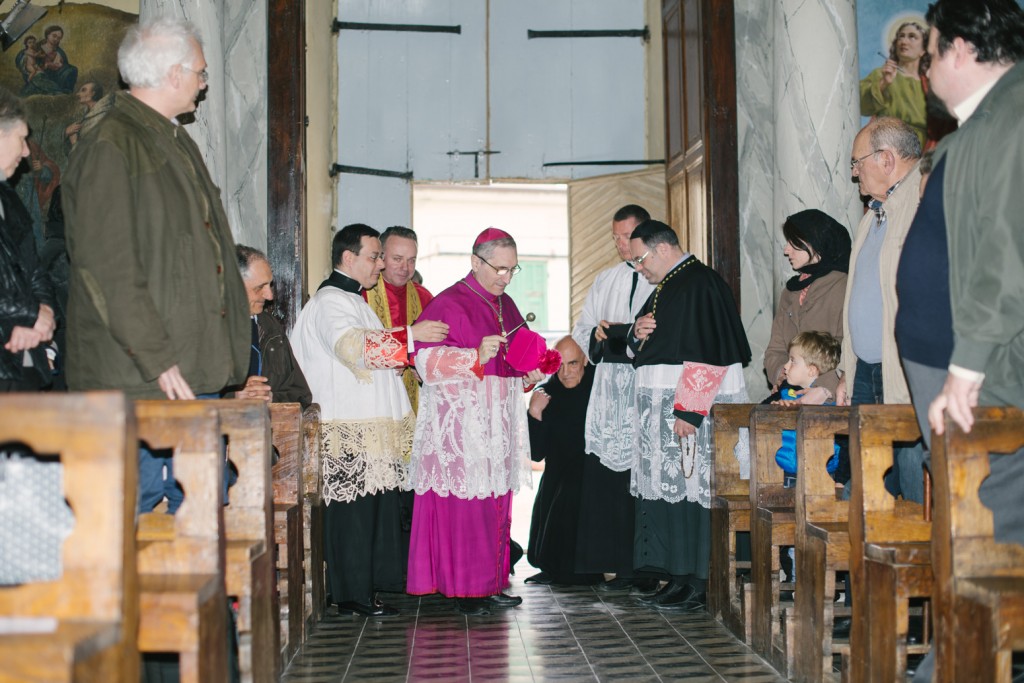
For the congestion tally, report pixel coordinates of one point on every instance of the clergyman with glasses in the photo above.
(689, 348)
(471, 451)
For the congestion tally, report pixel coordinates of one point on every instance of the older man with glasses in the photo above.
(884, 164)
(471, 451)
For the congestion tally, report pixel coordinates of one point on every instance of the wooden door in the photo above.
(700, 137)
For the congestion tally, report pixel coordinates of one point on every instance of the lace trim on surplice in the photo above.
(472, 439)
(363, 457)
(363, 350)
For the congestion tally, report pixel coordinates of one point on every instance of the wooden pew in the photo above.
(313, 519)
(978, 595)
(93, 605)
(182, 600)
(249, 524)
(772, 515)
(822, 541)
(890, 548)
(730, 514)
(286, 431)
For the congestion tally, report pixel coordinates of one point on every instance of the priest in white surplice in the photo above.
(352, 364)
(605, 538)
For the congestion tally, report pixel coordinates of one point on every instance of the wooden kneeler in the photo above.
(92, 608)
(822, 542)
(890, 548)
(772, 514)
(730, 514)
(182, 601)
(313, 519)
(979, 583)
(249, 524)
(286, 431)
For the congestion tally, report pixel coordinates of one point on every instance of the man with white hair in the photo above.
(157, 307)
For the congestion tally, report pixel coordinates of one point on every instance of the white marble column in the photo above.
(231, 122)
(797, 115)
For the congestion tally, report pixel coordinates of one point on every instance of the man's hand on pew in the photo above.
(174, 385)
(256, 387)
(958, 396)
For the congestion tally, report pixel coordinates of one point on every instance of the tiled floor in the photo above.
(557, 634)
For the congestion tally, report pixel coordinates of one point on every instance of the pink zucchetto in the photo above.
(489, 235)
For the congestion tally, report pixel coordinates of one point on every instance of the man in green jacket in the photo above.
(157, 307)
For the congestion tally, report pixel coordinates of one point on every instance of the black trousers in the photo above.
(363, 547)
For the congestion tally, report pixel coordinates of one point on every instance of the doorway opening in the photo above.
(447, 218)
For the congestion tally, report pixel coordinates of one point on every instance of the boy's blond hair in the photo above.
(819, 349)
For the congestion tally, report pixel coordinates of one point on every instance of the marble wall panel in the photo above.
(231, 122)
(797, 116)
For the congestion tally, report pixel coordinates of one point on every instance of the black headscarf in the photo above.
(817, 233)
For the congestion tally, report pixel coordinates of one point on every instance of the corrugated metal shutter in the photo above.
(592, 203)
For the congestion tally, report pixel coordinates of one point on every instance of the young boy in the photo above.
(811, 354)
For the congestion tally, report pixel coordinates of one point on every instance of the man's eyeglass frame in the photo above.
(503, 271)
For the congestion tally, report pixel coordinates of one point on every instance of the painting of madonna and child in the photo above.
(61, 67)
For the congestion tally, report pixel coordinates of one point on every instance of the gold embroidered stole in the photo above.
(378, 300)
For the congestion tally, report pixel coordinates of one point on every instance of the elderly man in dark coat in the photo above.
(557, 418)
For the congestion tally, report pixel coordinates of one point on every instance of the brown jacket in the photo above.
(154, 281)
(822, 311)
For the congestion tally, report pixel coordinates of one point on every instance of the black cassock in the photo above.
(558, 440)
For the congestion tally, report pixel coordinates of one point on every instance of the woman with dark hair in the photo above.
(818, 249)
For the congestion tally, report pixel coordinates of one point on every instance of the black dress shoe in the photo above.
(668, 592)
(377, 609)
(472, 606)
(687, 601)
(540, 578)
(615, 585)
(645, 586)
(502, 601)
(677, 597)
(841, 627)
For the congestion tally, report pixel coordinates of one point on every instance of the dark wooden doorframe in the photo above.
(286, 153)
(701, 144)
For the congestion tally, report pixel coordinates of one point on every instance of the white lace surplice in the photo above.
(611, 413)
(660, 465)
(472, 439)
(349, 361)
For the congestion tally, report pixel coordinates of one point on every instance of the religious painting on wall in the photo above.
(61, 67)
(892, 41)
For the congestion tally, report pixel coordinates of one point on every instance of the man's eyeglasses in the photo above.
(639, 260)
(855, 163)
(204, 76)
(503, 271)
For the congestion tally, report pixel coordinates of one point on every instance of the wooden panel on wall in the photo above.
(592, 203)
(286, 146)
(703, 174)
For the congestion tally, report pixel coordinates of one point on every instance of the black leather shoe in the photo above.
(377, 609)
(687, 601)
(645, 586)
(677, 597)
(841, 627)
(540, 578)
(615, 585)
(669, 591)
(473, 606)
(502, 601)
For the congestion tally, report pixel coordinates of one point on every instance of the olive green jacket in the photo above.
(154, 281)
(984, 207)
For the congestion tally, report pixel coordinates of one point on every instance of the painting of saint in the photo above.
(45, 66)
